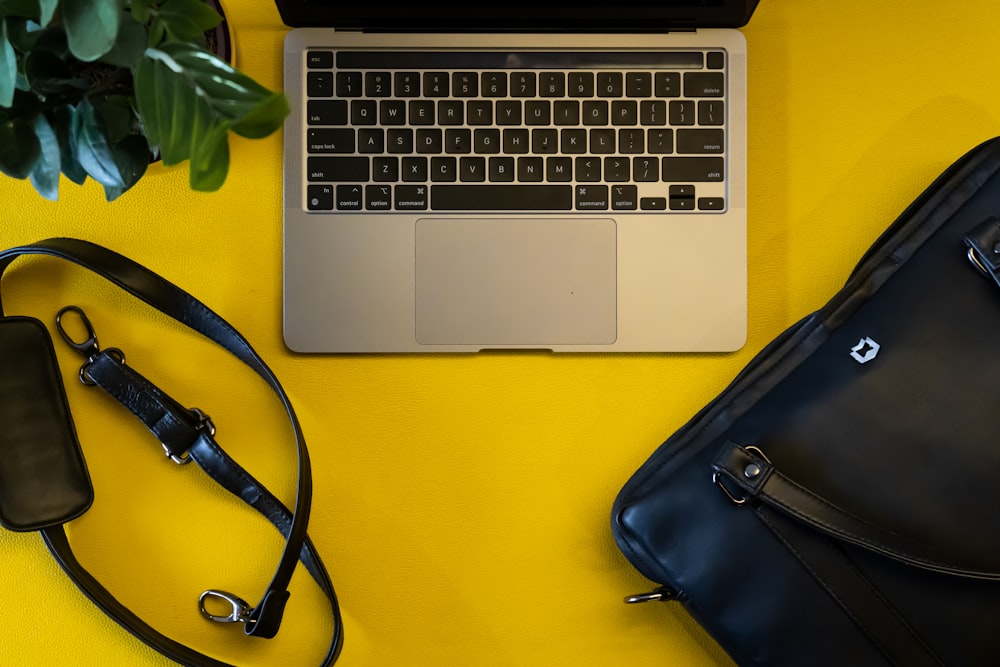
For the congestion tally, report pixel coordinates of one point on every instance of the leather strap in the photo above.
(744, 473)
(186, 433)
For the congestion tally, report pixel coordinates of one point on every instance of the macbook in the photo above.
(522, 176)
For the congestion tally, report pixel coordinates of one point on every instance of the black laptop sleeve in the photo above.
(838, 503)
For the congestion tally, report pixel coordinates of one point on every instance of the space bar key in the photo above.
(501, 197)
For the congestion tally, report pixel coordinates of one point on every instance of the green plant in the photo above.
(100, 88)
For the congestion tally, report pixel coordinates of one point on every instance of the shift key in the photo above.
(338, 169)
(693, 169)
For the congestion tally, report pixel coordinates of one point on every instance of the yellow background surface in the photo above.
(461, 502)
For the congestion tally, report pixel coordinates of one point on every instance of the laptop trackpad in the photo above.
(516, 281)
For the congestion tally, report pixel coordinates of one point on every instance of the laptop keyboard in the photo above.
(520, 132)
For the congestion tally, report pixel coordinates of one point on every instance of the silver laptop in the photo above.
(515, 176)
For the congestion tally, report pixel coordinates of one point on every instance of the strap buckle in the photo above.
(205, 424)
(239, 608)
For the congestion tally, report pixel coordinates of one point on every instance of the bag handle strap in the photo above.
(744, 473)
(188, 435)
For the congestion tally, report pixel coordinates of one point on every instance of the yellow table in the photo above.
(461, 502)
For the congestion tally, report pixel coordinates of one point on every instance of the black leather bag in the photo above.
(838, 504)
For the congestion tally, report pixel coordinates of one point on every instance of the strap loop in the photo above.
(239, 610)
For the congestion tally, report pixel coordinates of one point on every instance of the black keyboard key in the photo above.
(591, 197)
(465, 84)
(502, 197)
(693, 169)
(421, 112)
(631, 141)
(639, 84)
(338, 169)
(378, 197)
(660, 141)
(610, 84)
(704, 84)
(429, 140)
(646, 169)
(436, 84)
(407, 84)
(509, 112)
(624, 112)
(559, 169)
(349, 197)
(537, 112)
(530, 169)
(414, 169)
(624, 197)
(370, 140)
(715, 60)
(494, 84)
(378, 84)
(319, 84)
(682, 112)
(392, 112)
(326, 112)
(700, 141)
(711, 112)
(581, 84)
(653, 203)
(319, 59)
(411, 197)
(472, 169)
(595, 112)
(330, 140)
(667, 84)
(444, 169)
(385, 169)
(551, 84)
(319, 198)
(711, 203)
(364, 112)
(588, 169)
(479, 112)
(522, 84)
(566, 112)
(502, 169)
(348, 84)
(653, 112)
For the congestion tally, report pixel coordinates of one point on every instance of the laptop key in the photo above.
(501, 197)
(693, 169)
(338, 169)
(700, 141)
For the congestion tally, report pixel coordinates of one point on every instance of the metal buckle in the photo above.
(205, 423)
(751, 471)
(239, 609)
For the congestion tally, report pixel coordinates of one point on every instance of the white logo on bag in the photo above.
(865, 350)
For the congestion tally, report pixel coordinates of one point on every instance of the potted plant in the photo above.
(101, 88)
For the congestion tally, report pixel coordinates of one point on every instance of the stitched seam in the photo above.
(833, 594)
(838, 549)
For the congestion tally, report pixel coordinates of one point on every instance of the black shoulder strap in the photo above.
(186, 435)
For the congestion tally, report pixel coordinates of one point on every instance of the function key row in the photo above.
(582, 84)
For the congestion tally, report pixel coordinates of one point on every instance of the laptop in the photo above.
(517, 176)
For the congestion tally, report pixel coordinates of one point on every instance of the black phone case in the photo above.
(43, 475)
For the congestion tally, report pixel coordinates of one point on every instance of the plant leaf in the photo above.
(169, 109)
(187, 20)
(45, 174)
(19, 147)
(209, 153)
(263, 119)
(26, 8)
(131, 155)
(47, 73)
(8, 68)
(92, 146)
(61, 121)
(48, 10)
(91, 26)
(129, 45)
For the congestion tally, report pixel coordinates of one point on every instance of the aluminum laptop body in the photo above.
(622, 230)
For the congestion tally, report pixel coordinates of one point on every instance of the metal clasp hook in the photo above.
(239, 609)
(88, 347)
